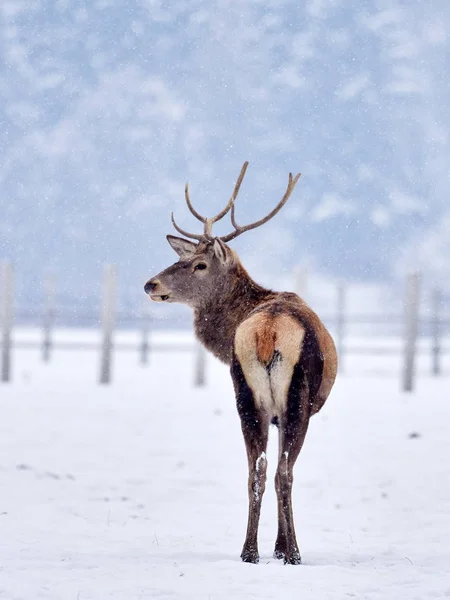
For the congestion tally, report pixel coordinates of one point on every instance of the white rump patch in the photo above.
(280, 380)
(258, 380)
(270, 383)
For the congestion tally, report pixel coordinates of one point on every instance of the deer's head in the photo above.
(207, 266)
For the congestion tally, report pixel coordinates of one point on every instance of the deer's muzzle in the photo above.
(151, 286)
(156, 290)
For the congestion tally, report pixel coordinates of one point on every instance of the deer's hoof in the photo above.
(250, 556)
(293, 559)
(279, 554)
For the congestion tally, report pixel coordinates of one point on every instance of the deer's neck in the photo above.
(217, 319)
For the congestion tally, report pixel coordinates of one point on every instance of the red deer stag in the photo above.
(283, 360)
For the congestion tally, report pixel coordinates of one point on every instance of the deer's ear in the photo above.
(184, 248)
(222, 252)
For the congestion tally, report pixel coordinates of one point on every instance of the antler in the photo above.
(238, 229)
(208, 222)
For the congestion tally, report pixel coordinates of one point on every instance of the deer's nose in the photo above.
(151, 286)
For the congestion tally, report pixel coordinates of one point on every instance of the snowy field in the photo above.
(138, 490)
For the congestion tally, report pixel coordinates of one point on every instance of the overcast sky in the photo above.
(108, 107)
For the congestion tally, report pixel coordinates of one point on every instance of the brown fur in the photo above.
(263, 334)
(290, 304)
(216, 324)
(265, 344)
(216, 321)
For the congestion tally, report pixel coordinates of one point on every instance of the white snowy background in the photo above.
(139, 490)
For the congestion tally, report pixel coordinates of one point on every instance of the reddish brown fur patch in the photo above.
(262, 334)
(265, 344)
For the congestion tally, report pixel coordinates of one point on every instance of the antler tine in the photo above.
(238, 230)
(239, 181)
(191, 208)
(233, 220)
(230, 203)
(193, 236)
(208, 222)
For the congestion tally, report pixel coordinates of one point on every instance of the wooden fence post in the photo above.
(107, 321)
(48, 316)
(301, 281)
(145, 328)
(200, 367)
(6, 317)
(411, 329)
(340, 322)
(436, 332)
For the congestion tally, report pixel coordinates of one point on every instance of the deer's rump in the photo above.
(285, 352)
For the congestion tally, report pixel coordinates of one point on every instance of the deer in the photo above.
(282, 359)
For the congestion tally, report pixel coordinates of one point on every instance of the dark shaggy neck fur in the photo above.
(217, 319)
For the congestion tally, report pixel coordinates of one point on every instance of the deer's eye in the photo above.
(200, 267)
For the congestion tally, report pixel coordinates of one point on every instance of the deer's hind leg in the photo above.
(304, 379)
(292, 434)
(255, 429)
(291, 398)
(290, 395)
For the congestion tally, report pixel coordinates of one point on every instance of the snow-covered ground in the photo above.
(138, 490)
